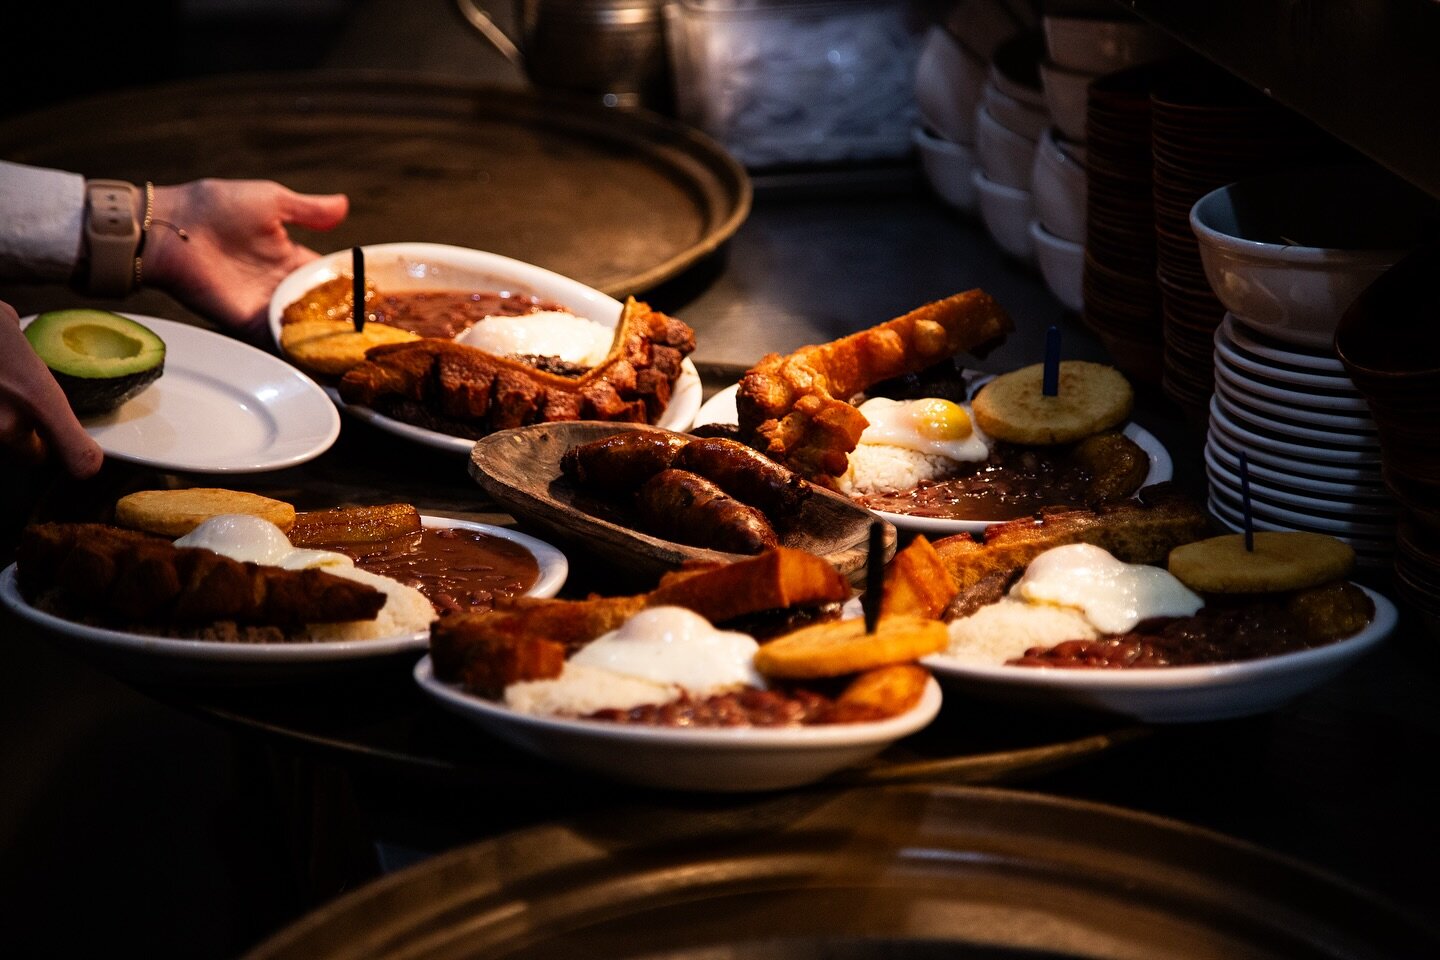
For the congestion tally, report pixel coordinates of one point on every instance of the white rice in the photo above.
(881, 468)
(406, 611)
(581, 690)
(1006, 629)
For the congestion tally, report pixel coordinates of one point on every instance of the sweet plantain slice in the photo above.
(836, 648)
(889, 691)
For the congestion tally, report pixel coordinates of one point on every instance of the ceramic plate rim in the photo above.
(1319, 402)
(172, 332)
(1347, 436)
(1223, 349)
(1162, 678)
(1293, 485)
(757, 738)
(1367, 548)
(209, 651)
(1346, 455)
(1334, 472)
(684, 399)
(1243, 339)
(1162, 468)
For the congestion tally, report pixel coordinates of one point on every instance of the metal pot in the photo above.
(613, 50)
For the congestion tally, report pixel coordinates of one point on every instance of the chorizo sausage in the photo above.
(687, 508)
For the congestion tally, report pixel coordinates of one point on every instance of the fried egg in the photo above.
(930, 426)
(250, 539)
(1113, 595)
(547, 333)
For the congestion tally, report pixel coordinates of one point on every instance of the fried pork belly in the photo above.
(127, 578)
(795, 408)
(453, 386)
(528, 639)
(1143, 531)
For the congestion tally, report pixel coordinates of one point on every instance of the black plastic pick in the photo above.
(874, 576)
(1245, 503)
(357, 262)
(1050, 385)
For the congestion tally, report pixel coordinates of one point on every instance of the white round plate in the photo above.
(221, 406)
(1367, 525)
(1279, 482)
(720, 408)
(1227, 354)
(436, 266)
(1249, 439)
(1258, 389)
(1245, 340)
(210, 661)
(731, 759)
(1341, 433)
(1175, 694)
(1370, 549)
(1364, 473)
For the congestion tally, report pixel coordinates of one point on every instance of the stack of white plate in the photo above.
(1313, 453)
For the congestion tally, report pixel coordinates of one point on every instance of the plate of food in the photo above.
(177, 397)
(932, 447)
(704, 683)
(648, 500)
(1135, 610)
(221, 585)
(467, 342)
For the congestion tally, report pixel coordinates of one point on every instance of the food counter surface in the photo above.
(1337, 778)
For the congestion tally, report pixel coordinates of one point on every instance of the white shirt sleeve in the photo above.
(41, 215)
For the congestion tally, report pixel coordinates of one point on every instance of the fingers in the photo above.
(314, 211)
(18, 437)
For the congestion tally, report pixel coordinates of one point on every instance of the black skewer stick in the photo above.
(874, 577)
(1245, 503)
(357, 262)
(1050, 384)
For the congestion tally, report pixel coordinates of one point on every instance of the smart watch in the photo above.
(112, 234)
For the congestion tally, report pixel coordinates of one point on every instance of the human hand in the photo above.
(34, 413)
(238, 249)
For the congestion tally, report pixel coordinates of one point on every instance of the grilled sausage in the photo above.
(747, 475)
(618, 464)
(685, 507)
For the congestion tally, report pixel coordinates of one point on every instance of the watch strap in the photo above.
(112, 234)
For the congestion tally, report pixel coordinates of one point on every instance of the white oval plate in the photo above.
(1227, 354)
(1365, 473)
(718, 760)
(720, 408)
(1175, 694)
(1249, 439)
(1342, 431)
(437, 266)
(1256, 389)
(1246, 341)
(237, 662)
(1368, 525)
(1371, 550)
(1219, 459)
(221, 406)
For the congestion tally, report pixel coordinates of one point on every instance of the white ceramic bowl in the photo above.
(718, 760)
(1017, 116)
(949, 168)
(1067, 97)
(1006, 213)
(1058, 182)
(436, 266)
(1175, 694)
(948, 84)
(1062, 264)
(1006, 157)
(1098, 46)
(1289, 253)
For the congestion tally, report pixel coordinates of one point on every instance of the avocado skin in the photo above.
(96, 384)
(92, 395)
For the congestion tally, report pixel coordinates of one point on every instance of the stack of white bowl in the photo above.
(949, 80)
(1009, 122)
(1077, 50)
(1282, 396)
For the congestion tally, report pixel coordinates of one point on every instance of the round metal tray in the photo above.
(879, 873)
(618, 200)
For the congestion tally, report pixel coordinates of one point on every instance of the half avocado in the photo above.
(100, 359)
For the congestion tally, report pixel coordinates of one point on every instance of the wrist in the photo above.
(165, 238)
(111, 234)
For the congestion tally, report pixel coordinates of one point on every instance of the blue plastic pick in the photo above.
(1050, 386)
